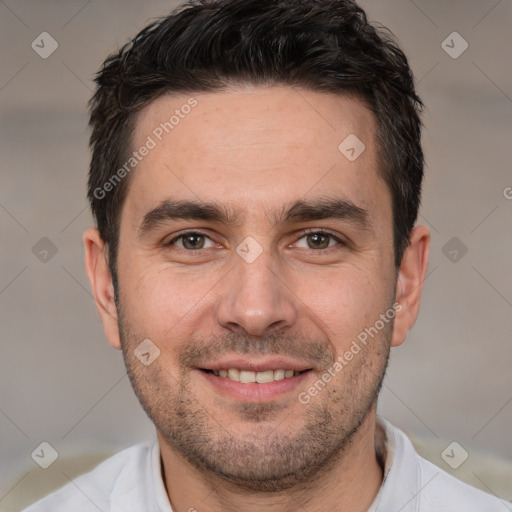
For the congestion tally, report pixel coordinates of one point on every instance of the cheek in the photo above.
(162, 303)
(344, 303)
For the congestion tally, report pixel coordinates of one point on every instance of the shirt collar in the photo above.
(400, 488)
(388, 454)
(161, 497)
(400, 483)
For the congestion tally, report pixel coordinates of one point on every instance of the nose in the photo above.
(255, 299)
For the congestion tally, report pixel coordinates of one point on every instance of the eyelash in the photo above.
(304, 234)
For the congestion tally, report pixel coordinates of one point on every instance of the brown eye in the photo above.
(191, 241)
(318, 240)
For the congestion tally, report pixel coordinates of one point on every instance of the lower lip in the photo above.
(255, 392)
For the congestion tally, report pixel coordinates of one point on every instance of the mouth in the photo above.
(252, 377)
(255, 380)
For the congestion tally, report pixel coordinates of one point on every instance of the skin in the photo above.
(305, 298)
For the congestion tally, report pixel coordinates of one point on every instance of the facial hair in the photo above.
(270, 457)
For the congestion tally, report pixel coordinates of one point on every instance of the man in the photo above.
(255, 178)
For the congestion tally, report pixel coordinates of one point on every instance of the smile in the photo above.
(259, 384)
(249, 377)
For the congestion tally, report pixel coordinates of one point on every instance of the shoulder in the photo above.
(416, 485)
(95, 490)
(444, 492)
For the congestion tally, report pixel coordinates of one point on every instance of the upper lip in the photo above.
(256, 364)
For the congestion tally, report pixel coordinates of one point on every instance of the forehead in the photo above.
(255, 149)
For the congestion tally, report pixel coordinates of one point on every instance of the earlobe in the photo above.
(98, 272)
(411, 275)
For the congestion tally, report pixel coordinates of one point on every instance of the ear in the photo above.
(411, 275)
(96, 266)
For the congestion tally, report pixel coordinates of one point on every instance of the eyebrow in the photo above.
(298, 211)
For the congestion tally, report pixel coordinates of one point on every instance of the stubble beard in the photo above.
(270, 458)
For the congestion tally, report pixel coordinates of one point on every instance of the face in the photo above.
(252, 249)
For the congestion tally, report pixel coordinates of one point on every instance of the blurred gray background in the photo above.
(61, 381)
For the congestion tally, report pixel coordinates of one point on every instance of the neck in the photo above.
(351, 482)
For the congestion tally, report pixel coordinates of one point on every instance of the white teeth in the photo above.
(279, 374)
(248, 377)
(234, 374)
(262, 377)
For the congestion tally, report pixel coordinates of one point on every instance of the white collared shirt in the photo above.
(131, 481)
